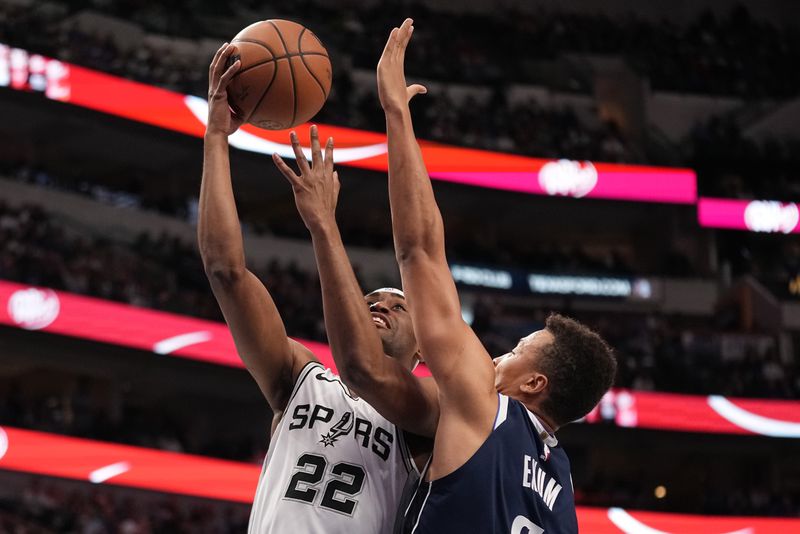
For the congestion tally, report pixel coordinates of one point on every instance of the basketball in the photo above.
(285, 74)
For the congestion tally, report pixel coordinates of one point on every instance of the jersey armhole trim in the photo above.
(502, 410)
(420, 482)
(405, 451)
(302, 376)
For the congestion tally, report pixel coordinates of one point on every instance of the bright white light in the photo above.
(110, 471)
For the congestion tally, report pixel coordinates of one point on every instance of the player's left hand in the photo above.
(392, 90)
(316, 189)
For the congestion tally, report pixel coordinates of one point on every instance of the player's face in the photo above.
(390, 316)
(514, 369)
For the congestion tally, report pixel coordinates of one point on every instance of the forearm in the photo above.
(354, 342)
(219, 234)
(419, 246)
(356, 346)
(416, 221)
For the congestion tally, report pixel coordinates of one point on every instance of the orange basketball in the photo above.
(285, 76)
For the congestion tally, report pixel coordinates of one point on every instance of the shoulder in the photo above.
(325, 378)
(305, 377)
(317, 382)
(309, 371)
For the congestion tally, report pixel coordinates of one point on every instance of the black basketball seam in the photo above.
(311, 72)
(322, 87)
(254, 65)
(277, 59)
(291, 71)
(261, 98)
(258, 42)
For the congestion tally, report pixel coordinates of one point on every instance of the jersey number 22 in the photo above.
(345, 480)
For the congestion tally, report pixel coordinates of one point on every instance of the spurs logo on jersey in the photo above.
(334, 464)
(342, 428)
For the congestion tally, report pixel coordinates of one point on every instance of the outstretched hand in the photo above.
(316, 189)
(220, 117)
(392, 90)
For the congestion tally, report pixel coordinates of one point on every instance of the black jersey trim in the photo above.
(422, 508)
(405, 451)
(338, 380)
(411, 515)
(304, 372)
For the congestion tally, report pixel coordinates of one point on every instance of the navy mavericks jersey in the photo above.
(517, 482)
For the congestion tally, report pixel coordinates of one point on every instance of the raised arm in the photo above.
(409, 402)
(459, 363)
(272, 358)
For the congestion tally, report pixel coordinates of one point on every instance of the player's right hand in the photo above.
(221, 118)
(392, 90)
(316, 188)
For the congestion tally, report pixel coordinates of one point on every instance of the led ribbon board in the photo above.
(766, 216)
(712, 414)
(59, 312)
(186, 114)
(123, 465)
(521, 282)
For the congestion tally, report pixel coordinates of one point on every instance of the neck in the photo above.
(410, 362)
(547, 422)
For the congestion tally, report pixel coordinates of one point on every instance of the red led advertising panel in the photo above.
(59, 312)
(124, 465)
(768, 216)
(713, 414)
(187, 114)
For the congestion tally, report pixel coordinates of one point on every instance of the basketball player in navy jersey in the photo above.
(338, 460)
(496, 466)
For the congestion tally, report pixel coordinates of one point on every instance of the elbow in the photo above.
(411, 253)
(421, 244)
(221, 264)
(224, 272)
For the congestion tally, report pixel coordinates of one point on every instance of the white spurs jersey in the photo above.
(334, 464)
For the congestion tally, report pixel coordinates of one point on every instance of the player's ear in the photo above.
(419, 357)
(534, 384)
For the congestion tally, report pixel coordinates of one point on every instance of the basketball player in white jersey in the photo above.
(334, 464)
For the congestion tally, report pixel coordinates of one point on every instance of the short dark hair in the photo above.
(580, 367)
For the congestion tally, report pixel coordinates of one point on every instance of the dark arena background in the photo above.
(631, 163)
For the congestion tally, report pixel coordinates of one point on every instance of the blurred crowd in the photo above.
(165, 273)
(160, 272)
(491, 123)
(103, 409)
(731, 165)
(753, 496)
(657, 352)
(773, 259)
(677, 354)
(733, 55)
(147, 418)
(368, 228)
(46, 506)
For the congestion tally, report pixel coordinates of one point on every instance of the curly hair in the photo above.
(580, 367)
